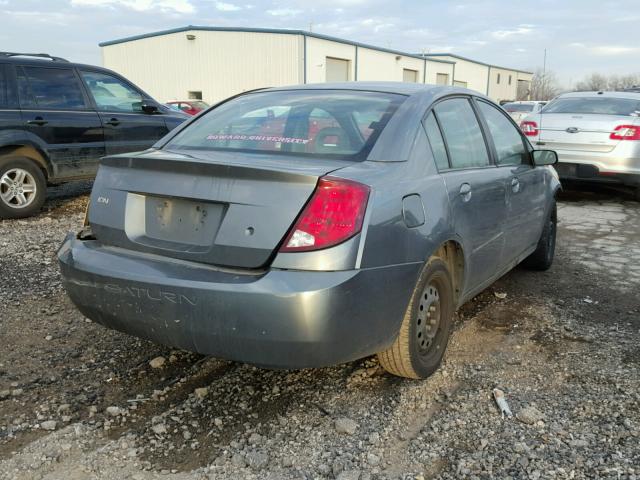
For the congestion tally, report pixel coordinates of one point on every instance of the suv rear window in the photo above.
(51, 88)
(595, 105)
(328, 123)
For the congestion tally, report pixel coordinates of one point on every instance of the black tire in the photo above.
(422, 340)
(542, 257)
(34, 178)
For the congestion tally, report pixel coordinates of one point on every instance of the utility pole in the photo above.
(544, 75)
(310, 26)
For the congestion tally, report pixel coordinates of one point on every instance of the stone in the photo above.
(529, 415)
(238, 461)
(157, 362)
(159, 429)
(257, 459)
(114, 411)
(49, 425)
(346, 426)
(201, 393)
(349, 475)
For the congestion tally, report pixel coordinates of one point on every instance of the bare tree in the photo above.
(598, 82)
(593, 82)
(544, 86)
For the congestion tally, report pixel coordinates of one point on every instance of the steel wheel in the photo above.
(18, 188)
(428, 321)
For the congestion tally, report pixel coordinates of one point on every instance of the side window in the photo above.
(506, 138)
(112, 94)
(4, 87)
(53, 88)
(24, 92)
(462, 133)
(437, 142)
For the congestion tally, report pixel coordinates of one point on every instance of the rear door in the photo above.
(56, 111)
(524, 183)
(586, 123)
(127, 128)
(475, 187)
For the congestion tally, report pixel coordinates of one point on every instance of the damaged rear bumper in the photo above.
(273, 318)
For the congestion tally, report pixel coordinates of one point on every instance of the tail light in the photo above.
(625, 132)
(529, 128)
(334, 214)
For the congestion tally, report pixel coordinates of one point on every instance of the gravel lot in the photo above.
(80, 402)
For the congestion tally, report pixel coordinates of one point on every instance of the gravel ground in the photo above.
(80, 402)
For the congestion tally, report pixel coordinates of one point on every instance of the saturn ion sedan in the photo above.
(313, 225)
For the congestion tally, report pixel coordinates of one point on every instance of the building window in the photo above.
(337, 69)
(509, 79)
(195, 95)
(498, 82)
(409, 75)
(442, 79)
(459, 83)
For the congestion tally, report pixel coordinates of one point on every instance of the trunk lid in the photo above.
(580, 132)
(220, 208)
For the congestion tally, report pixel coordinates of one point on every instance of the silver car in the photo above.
(312, 225)
(519, 110)
(596, 136)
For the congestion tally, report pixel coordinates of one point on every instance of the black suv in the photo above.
(58, 118)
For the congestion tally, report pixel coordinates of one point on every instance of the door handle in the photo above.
(465, 192)
(114, 122)
(515, 185)
(37, 121)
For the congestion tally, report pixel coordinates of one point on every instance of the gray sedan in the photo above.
(312, 225)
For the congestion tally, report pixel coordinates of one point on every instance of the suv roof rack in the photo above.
(38, 55)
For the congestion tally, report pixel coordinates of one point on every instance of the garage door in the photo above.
(409, 75)
(337, 70)
(442, 79)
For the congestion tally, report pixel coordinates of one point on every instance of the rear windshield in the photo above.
(201, 105)
(518, 107)
(595, 105)
(323, 123)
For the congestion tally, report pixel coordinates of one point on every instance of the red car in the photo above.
(190, 107)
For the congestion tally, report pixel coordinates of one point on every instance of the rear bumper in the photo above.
(276, 318)
(578, 166)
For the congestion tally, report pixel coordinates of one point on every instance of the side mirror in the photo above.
(544, 157)
(149, 108)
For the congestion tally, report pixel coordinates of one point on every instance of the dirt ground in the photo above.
(78, 401)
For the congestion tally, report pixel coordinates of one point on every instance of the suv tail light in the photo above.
(529, 128)
(625, 132)
(334, 214)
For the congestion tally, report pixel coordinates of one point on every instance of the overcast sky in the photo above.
(581, 36)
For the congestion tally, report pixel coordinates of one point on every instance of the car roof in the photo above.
(401, 88)
(48, 62)
(612, 94)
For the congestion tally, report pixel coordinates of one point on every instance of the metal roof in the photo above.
(460, 57)
(267, 30)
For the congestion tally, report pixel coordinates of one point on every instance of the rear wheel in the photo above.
(542, 256)
(22, 187)
(418, 350)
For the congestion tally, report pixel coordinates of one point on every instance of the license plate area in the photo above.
(172, 223)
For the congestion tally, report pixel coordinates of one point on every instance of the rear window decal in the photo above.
(259, 138)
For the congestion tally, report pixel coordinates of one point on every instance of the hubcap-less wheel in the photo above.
(428, 321)
(17, 188)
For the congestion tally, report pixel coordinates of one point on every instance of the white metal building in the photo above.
(213, 63)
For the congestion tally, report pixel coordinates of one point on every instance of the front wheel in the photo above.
(22, 188)
(542, 256)
(418, 350)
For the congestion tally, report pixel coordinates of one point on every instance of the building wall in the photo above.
(474, 74)
(504, 90)
(219, 64)
(317, 52)
(433, 68)
(383, 66)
